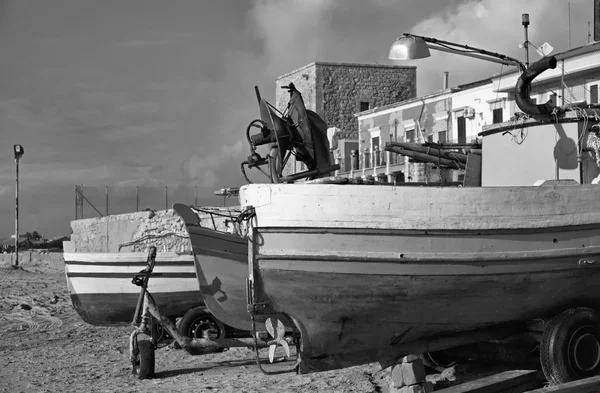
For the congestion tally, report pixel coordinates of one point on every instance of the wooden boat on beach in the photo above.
(371, 271)
(221, 261)
(102, 293)
(376, 272)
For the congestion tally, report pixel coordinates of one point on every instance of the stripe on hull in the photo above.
(118, 308)
(128, 275)
(103, 285)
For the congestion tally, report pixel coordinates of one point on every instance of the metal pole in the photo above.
(107, 200)
(16, 265)
(195, 195)
(166, 197)
(76, 201)
(137, 198)
(525, 22)
(569, 25)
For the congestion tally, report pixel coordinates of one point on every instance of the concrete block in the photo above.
(413, 373)
(397, 378)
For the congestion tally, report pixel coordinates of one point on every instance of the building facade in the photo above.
(458, 115)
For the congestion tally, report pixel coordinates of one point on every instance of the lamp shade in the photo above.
(409, 47)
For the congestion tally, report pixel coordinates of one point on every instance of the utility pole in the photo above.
(525, 22)
(18, 150)
(137, 198)
(166, 197)
(195, 195)
(107, 200)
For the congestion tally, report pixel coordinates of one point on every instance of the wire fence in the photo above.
(91, 201)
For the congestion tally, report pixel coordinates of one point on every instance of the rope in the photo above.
(152, 236)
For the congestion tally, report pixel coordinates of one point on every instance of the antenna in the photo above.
(569, 25)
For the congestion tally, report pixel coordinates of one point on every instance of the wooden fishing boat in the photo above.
(221, 261)
(102, 293)
(373, 273)
(374, 270)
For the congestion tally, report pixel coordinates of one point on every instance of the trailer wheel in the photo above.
(437, 359)
(143, 364)
(570, 347)
(199, 323)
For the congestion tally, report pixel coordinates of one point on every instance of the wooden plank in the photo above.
(588, 385)
(473, 172)
(496, 383)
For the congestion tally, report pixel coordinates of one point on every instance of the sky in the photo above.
(158, 93)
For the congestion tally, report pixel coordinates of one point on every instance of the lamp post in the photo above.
(525, 22)
(18, 150)
(410, 46)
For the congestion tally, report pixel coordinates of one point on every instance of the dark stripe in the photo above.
(85, 263)
(468, 259)
(432, 232)
(199, 251)
(118, 308)
(130, 275)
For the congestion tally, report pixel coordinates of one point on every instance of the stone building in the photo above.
(336, 91)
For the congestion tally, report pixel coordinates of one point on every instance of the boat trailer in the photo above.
(141, 350)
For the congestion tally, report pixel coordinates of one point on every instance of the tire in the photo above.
(570, 347)
(143, 365)
(437, 359)
(199, 323)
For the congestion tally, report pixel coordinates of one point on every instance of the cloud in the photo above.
(204, 168)
(494, 26)
(143, 43)
(362, 32)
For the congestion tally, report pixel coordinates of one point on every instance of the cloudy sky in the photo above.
(155, 93)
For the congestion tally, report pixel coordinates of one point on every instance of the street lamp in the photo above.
(19, 151)
(410, 47)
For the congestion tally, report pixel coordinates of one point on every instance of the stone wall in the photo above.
(335, 90)
(32, 258)
(135, 232)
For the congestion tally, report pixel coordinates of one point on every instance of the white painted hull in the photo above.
(372, 272)
(103, 294)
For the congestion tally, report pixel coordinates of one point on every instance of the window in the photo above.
(375, 143)
(410, 135)
(497, 116)
(442, 137)
(462, 129)
(364, 106)
(593, 94)
(430, 138)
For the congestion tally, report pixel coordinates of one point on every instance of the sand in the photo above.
(46, 347)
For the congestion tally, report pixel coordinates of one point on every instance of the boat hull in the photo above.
(428, 263)
(221, 261)
(102, 293)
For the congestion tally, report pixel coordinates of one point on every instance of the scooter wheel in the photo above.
(143, 363)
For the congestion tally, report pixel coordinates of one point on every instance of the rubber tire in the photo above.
(437, 359)
(186, 325)
(145, 369)
(555, 345)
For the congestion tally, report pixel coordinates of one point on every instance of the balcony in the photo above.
(377, 163)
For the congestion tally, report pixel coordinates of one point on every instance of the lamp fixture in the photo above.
(410, 47)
